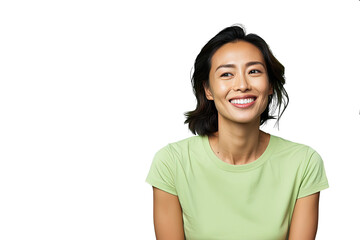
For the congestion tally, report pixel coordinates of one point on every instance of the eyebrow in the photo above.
(248, 64)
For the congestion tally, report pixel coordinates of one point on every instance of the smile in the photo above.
(243, 102)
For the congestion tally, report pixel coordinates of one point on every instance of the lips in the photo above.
(243, 101)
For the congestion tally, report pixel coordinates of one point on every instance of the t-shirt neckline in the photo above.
(238, 168)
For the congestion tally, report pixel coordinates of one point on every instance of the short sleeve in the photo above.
(162, 171)
(314, 177)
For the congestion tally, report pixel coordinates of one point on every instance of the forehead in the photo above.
(240, 52)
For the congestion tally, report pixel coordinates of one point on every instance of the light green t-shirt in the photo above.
(254, 201)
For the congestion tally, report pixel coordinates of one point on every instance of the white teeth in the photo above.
(242, 101)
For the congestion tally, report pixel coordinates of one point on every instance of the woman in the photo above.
(234, 181)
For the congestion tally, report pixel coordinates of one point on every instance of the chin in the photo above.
(240, 118)
(245, 120)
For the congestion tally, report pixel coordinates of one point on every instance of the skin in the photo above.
(304, 221)
(237, 69)
(168, 220)
(238, 140)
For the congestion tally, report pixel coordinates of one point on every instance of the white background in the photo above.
(90, 90)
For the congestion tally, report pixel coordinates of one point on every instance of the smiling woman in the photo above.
(237, 68)
(203, 120)
(234, 181)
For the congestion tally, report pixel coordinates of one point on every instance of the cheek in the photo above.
(264, 90)
(220, 89)
(264, 87)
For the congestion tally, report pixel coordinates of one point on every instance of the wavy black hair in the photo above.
(204, 119)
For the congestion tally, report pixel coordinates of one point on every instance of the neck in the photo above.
(238, 144)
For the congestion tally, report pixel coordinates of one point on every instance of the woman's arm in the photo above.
(304, 221)
(167, 216)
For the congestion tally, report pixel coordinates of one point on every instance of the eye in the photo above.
(226, 75)
(254, 71)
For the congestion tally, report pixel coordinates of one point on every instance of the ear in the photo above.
(271, 90)
(208, 92)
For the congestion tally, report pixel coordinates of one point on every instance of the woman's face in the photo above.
(239, 82)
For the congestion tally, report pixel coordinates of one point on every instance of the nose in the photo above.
(241, 84)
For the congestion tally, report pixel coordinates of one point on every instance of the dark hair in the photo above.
(204, 119)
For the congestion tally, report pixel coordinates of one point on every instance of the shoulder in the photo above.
(184, 145)
(284, 145)
(180, 147)
(298, 153)
(305, 161)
